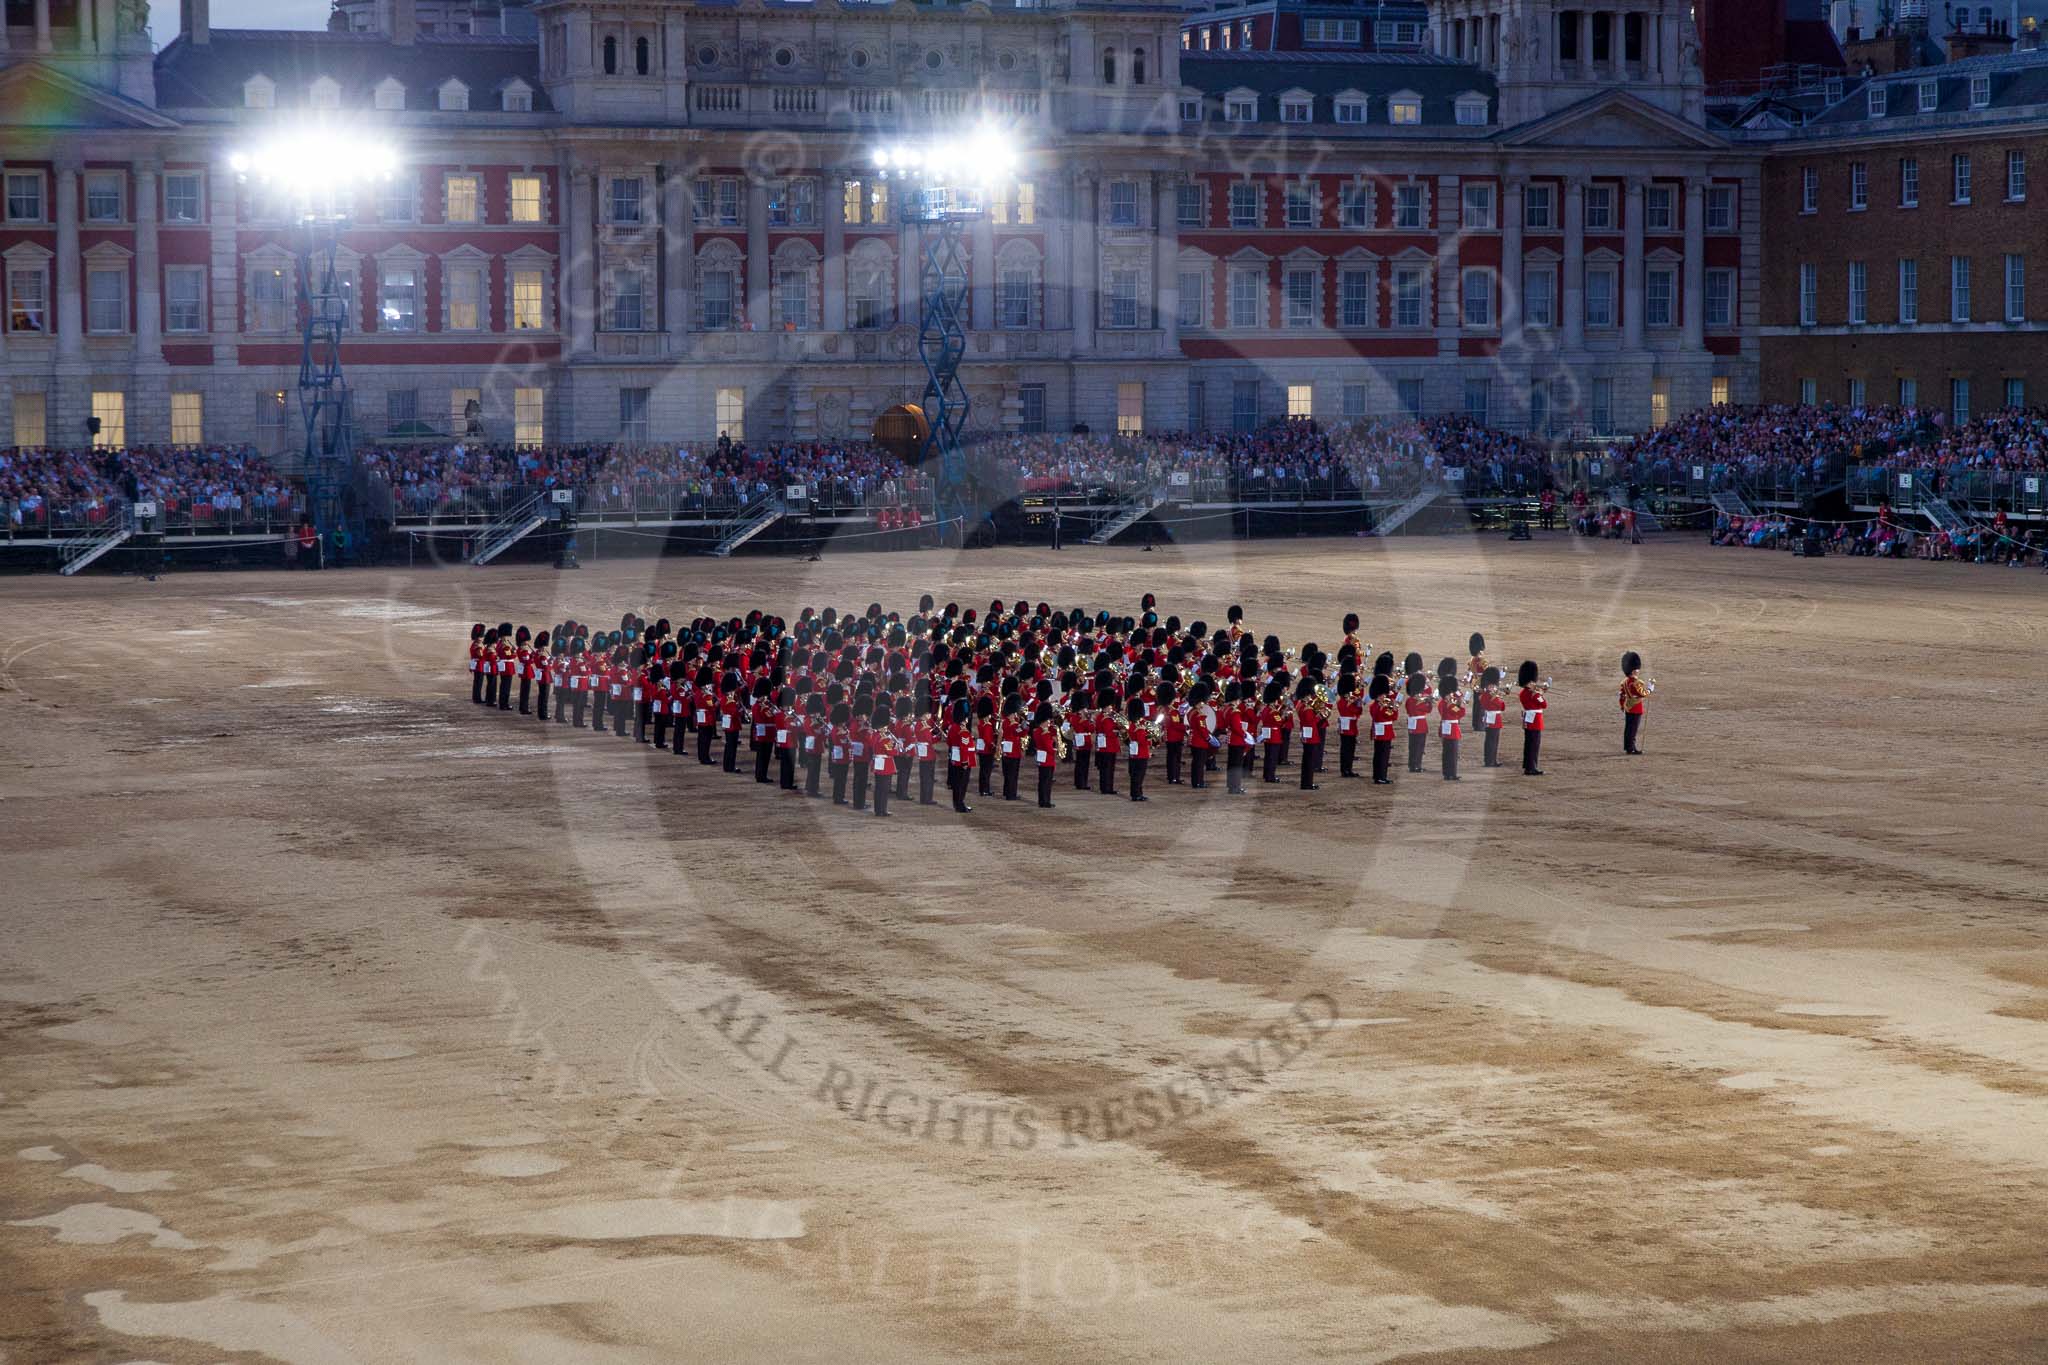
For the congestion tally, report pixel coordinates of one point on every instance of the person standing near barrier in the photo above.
(1635, 694)
(1534, 704)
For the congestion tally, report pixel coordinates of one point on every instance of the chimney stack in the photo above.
(401, 21)
(195, 21)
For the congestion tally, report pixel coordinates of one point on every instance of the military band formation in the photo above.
(861, 704)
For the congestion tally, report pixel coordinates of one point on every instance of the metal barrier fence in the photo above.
(2015, 492)
(27, 520)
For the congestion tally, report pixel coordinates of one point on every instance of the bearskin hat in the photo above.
(1631, 662)
(1527, 673)
(1380, 685)
(1350, 622)
(1416, 682)
(1235, 614)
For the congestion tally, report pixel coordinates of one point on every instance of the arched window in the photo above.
(1137, 66)
(611, 56)
(1109, 66)
(643, 56)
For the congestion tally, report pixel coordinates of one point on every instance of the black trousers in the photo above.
(957, 776)
(1045, 776)
(1105, 771)
(581, 698)
(762, 755)
(643, 711)
(882, 785)
(540, 701)
(1418, 740)
(1311, 764)
(1081, 768)
(1285, 737)
(838, 784)
(476, 684)
(597, 701)
(505, 692)
(860, 783)
(1137, 775)
(491, 685)
(1532, 747)
(786, 769)
(525, 694)
(1382, 759)
(1013, 767)
(927, 781)
(732, 749)
(1233, 773)
(660, 726)
(986, 771)
(1347, 755)
(621, 707)
(1450, 753)
(813, 764)
(704, 737)
(1173, 752)
(903, 781)
(1198, 770)
(1272, 748)
(1631, 722)
(1491, 757)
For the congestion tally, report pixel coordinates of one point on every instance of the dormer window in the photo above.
(518, 97)
(1240, 106)
(1349, 107)
(1472, 110)
(1980, 92)
(389, 94)
(1874, 101)
(325, 94)
(1930, 96)
(259, 92)
(1296, 106)
(1404, 107)
(454, 95)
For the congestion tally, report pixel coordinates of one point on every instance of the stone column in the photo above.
(1585, 45)
(580, 270)
(1573, 286)
(679, 260)
(760, 268)
(149, 307)
(223, 284)
(1632, 268)
(1056, 212)
(981, 275)
(1510, 304)
(42, 25)
(1085, 264)
(832, 270)
(1695, 299)
(1166, 262)
(70, 284)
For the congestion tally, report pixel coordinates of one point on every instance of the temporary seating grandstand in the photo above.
(80, 551)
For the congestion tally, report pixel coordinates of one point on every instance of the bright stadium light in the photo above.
(983, 157)
(311, 160)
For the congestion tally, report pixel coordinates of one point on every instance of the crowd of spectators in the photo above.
(46, 490)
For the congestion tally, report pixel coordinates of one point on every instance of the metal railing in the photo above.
(2016, 492)
(29, 520)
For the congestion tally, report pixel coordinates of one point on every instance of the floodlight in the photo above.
(312, 159)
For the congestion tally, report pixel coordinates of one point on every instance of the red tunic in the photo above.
(1348, 712)
(960, 745)
(1385, 716)
(1310, 720)
(1450, 712)
(1045, 746)
(1534, 704)
(1418, 709)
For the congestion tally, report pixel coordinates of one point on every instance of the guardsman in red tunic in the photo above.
(1241, 724)
(732, 718)
(930, 741)
(1418, 706)
(1081, 720)
(1173, 728)
(905, 730)
(816, 736)
(660, 691)
(1635, 693)
(1138, 746)
(543, 660)
(1201, 716)
(787, 726)
(1493, 711)
(643, 691)
(1450, 716)
(859, 745)
(1045, 751)
(706, 712)
(522, 667)
(476, 663)
(1350, 711)
(882, 749)
(761, 728)
(1385, 717)
(985, 742)
(508, 665)
(1010, 740)
(1308, 714)
(1534, 704)
(960, 752)
(836, 750)
(1268, 721)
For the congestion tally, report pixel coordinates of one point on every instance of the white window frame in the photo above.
(386, 296)
(1930, 96)
(194, 276)
(1357, 285)
(1660, 208)
(1413, 195)
(2015, 287)
(1874, 100)
(1349, 109)
(1301, 296)
(1476, 210)
(106, 316)
(1719, 300)
(1354, 205)
(1539, 295)
(1959, 300)
(1720, 208)
(1190, 205)
(452, 97)
(1859, 293)
(1298, 195)
(1245, 298)
(1404, 109)
(388, 95)
(1909, 182)
(101, 183)
(1539, 208)
(1241, 109)
(1809, 294)
(1297, 109)
(1859, 186)
(1909, 291)
(30, 184)
(1809, 189)
(1959, 178)
(465, 186)
(1599, 208)
(1471, 111)
(1120, 206)
(1476, 291)
(2015, 176)
(1980, 91)
(1247, 209)
(1604, 318)
(1410, 301)
(1666, 316)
